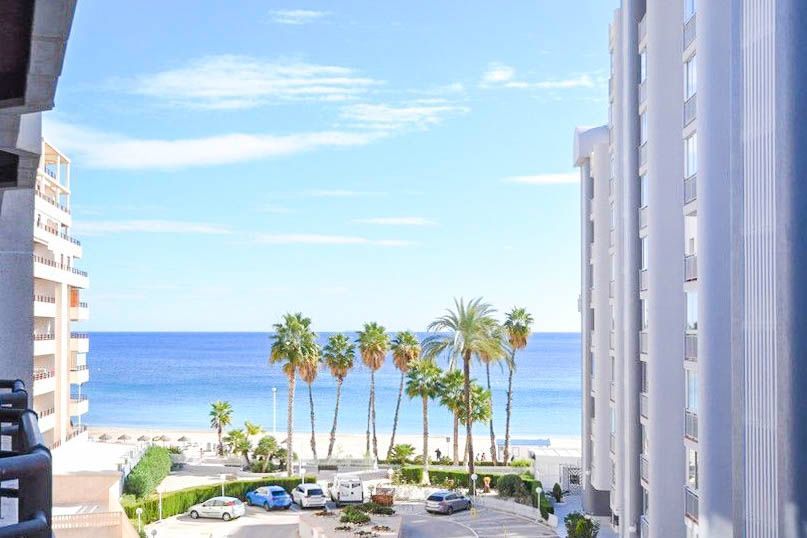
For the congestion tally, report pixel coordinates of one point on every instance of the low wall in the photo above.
(512, 507)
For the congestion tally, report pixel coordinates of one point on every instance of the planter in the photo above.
(384, 499)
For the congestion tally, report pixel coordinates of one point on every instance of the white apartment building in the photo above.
(59, 352)
(693, 299)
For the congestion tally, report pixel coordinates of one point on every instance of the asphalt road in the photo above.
(476, 523)
(256, 523)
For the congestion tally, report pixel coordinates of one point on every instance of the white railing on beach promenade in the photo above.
(90, 520)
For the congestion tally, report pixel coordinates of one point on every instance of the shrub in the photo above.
(373, 508)
(511, 485)
(352, 514)
(178, 502)
(174, 450)
(557, 492)
(401, 453)
(521, 463)
(580, 526)
(149, 472)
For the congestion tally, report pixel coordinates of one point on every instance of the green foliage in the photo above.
(544, 505)
(338, 355)
(352, 514)
(149, 472)
(373, 508)
(511, 485)
(423, 379)
(521, 463)
(581, 526)
(557, 492)
(401, 453)
(178, 502)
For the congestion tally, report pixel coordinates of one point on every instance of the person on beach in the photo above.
(438, 453)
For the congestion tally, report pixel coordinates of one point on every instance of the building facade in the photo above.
(59, 352)
(693, 301)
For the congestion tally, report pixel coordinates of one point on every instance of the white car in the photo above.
(225, 508)
(346, 490)
(308, 496)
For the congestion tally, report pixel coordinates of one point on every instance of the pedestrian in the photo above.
(439, 454)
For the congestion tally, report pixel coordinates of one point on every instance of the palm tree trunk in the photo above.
(369, 414)
(313, 427)
(508, 411)
(456, 439)
(469, 426)
(395, 420)
(290, 428)
(425, 440)
(221, 445)
(492, 435)
(372, 407)
(335, 415)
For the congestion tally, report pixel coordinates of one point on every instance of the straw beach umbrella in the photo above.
(143, 438)
(124, 437)
(104, 437)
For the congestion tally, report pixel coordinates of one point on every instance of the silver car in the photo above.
(447, 502)
(225, 508)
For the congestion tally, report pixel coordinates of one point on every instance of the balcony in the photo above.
(690, 31)
(643, 29)
(612, 442)
(79, 343)
(642, 91)
(611, 340)
(47, 233)
(44, 306)
(644, 405)
(611, 290)
(51, 207)
(690, 268)
(80, 312)
(47, 419)
(643, 342)
(44, 381)
(611, 188)
(644, 467)
(643, 217)
(79, 405)
(612, 392)
(79, 374)
(643, 280)
(26, 467)
(691, 346)
(691, 504)
(691, 425)
(612, 238)
(691, 189)
(54, 271)
(643, 154)
(44, 344)
(644, 527)
(690, 110)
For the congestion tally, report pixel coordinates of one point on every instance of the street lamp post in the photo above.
(139, 513)
(160, 493)
(274, 411)
(223, 477)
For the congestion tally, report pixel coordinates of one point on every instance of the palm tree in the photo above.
(252, 429)
(308, 373)
(373, 344)
(405, 350)
(221, 416)
(517, 327)
(465, 332)
(451, 397)
(423, 380)
(338, 354)
(481, 407)
(238, 443)
(265, 451)
(292, 345)
(487, 359)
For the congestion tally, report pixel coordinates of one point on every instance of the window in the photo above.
(643, 65)
(692, 390)
(643, 366)
(643, 304)
(690, 78)
(643, 431)
(643, 190)
(691, 156)
(689, 9)
(643, 252)
(643, 129)
(692, 469)
(692, 311)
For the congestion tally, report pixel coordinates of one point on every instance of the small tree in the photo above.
(557, 492)
(581, 526)
(400, 454)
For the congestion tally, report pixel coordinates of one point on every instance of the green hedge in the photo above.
(149, 471)
(178, 502)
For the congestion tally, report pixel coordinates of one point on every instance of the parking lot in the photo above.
(474, 523)
(257, 522)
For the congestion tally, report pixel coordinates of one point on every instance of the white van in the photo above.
(346, 490)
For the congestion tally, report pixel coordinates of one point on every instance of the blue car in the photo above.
(269, 497)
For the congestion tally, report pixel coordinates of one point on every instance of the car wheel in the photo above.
(468, 506)
(226, 517)
(194, 514)
(249, 501)
(266, 505)
(450, 510)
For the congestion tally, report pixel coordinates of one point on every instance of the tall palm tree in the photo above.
(221, 416)
(465, 332)
(423, 380)
(293, 344)
(451, 397)
(373, 345)
(338, 354)
(481, 407)
(517, 327)
(238, 442)
(308, 373)
(251, 429)
(405, 350)
(487, 359)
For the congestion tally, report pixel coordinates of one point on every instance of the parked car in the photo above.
(225, 508)
(308, 496)
(345, 490)
(269, 497)
(447, 502)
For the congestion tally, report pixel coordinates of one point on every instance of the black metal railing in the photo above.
(28, 463)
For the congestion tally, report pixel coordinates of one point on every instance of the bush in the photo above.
(149, 472)
(580, 526)
(174, 450)
(557, 492)
(352, 514)
(373, 508)
(401, 453)
(521, 463)
(178, 502)
(511, 485)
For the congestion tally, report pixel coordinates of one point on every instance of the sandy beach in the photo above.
(348, 445)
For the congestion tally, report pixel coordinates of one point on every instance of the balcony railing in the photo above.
(44, 299)
(643, 217)
(643, 154)
(642, 91)
(612, 391)
(691, 425)
(690, 188)
(644, 405)
(79, 367)
(46, 412)
(611, 340)
(690, 31)
(691, 346)
(27, 462)
(644, 466)
(611, 188)
(611, 290)
(643, 280)
(643, 342)
(43, 374)
(55, 231)
(642, 28)
(52, 201)
(78, 398)
(57, 265)
(690, 268)
(690, 110)
(691, 504)
(79, 336)
(46, 336)
(644, 527)
(612, 443)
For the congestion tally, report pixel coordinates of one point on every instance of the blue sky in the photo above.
(353, 160)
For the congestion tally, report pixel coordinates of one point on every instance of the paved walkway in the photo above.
(474, 523)
(256, 523)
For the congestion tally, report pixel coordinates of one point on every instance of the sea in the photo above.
(168, 380)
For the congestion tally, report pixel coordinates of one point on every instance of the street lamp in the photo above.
(223, 477)
(160, 493)
(274, 411)
(473, 483)
(139, 513)
(302, 472)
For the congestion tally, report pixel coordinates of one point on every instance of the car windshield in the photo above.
(278, 493)
(314, 492)
(437, 497)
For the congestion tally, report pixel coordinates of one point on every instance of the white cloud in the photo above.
(545, 179)
(499, 75)
(397, 221)
(453, 88)
(104, 227)
(326, 239)
(383, 117)
(99, 149)
(296, 16)
(232, 82)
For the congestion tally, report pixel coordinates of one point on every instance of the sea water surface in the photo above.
(167, 380)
